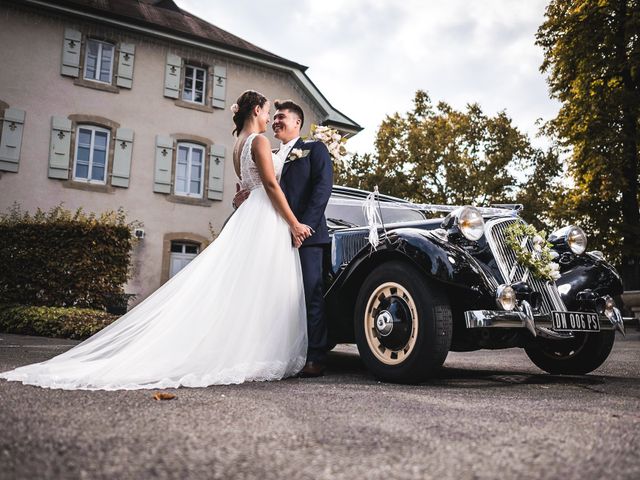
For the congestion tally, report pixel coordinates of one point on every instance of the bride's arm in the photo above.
(261, 151)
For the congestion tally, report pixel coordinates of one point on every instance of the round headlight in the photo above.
(577, 240)
(506, 297)
(471, 223)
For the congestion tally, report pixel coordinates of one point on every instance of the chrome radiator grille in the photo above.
(346, 245)
(513, 272)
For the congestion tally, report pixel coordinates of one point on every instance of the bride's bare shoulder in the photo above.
(260, 142)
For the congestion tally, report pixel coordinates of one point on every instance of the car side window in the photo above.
(347, 212)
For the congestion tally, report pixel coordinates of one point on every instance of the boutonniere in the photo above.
(296, 153)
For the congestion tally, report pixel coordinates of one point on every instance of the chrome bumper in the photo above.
(537, 324)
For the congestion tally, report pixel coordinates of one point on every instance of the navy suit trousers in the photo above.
(311, 260)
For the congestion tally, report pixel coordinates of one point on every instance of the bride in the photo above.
(236, 313)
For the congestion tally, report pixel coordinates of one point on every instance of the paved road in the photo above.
(492, 414)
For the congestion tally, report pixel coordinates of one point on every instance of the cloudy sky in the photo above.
(368, 57)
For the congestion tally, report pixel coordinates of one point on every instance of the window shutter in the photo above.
(164, 155)
(172, 76)
(216, 172)
(60, 148)
(219, 86)
(11, 139)
(71, 53)
(125, 65)
(122, 158)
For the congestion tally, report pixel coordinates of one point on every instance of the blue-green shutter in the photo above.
(172, 76)
(123, 150)
(11, 140)
(164, 156)
(125, 65)
(216, 172)
(60, 148)
(219, 86)
(71, 53)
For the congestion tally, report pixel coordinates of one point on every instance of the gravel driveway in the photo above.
(491, 414)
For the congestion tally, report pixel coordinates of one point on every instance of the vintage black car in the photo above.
(451, 283)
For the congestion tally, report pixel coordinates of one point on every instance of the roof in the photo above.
(166, 15)
(165, 18)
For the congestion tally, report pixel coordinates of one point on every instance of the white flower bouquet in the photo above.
(539, 261)
(332, 139)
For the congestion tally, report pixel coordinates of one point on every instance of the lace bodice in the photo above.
(250, 178)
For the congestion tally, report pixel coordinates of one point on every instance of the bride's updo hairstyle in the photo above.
(244, 106)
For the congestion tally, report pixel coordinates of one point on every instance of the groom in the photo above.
(306, 180)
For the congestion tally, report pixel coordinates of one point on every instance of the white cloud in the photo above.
(368, 57)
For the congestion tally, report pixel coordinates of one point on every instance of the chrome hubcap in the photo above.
(384, 323)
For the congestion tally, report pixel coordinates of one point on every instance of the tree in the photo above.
(592, 58)
(436, 154)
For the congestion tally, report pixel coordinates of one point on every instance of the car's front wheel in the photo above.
(403, 324)
(576, 356)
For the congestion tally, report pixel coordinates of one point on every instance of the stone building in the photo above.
(124, 103)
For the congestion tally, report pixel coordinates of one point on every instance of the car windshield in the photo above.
(347, 212)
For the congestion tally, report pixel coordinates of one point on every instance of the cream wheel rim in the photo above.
(391, 323)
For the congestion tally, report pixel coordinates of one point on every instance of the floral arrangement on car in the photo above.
(330, 137)
(539, 261)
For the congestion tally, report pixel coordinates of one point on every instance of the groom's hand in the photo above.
(298, 239)
(240, 197)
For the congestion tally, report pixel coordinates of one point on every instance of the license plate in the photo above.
(575, 322)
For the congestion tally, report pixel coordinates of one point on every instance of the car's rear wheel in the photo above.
(577, 356)
(402, 325)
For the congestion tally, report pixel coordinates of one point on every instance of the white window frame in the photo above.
(99, 60)
(93, 130)
(182, 255)
(191, 147)
(193, 84)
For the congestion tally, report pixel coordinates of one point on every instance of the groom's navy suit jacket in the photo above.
(307, 182)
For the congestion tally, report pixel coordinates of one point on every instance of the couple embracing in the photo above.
(250, 306)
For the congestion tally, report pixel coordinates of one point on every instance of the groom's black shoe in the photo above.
(312, 369)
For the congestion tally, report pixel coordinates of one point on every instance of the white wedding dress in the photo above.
(236, 313)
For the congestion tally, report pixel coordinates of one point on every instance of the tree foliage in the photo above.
(592, 58)
(437, 154)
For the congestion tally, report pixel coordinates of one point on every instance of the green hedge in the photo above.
(59, 322)
(63, 258)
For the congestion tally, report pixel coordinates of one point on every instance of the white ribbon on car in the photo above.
(373, 205)
(372, 216)
(422, 207)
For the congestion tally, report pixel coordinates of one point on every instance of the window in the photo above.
(98, 62)
(189, 170)
(178, 249)
(194, 84)
(181, 254)
(92, 146)
(347, 211)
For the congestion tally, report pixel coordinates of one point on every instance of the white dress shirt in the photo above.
(286, 148)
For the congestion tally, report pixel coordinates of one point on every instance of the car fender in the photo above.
(587, 272)
(439, 259)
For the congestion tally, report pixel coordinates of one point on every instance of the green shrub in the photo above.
(58, 322)
(63, 258)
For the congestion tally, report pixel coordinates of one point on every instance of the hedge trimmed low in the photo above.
(61, 258)
(58, 322)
